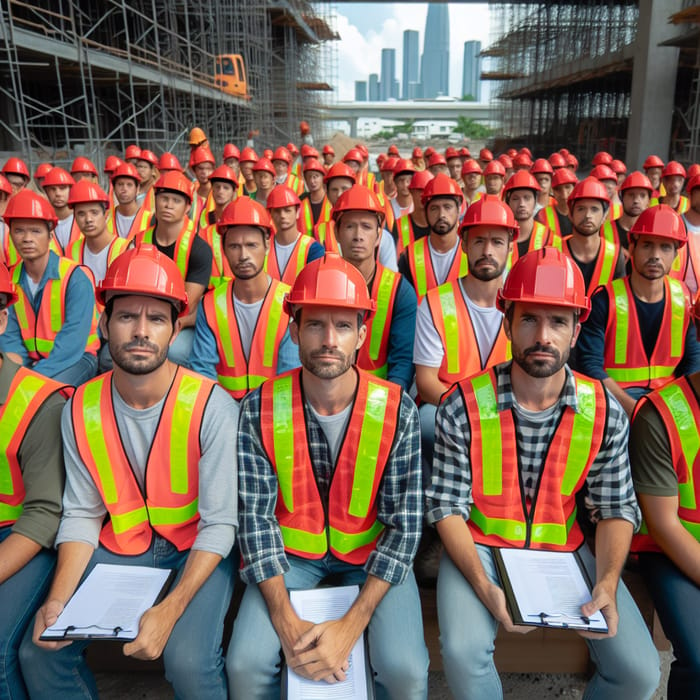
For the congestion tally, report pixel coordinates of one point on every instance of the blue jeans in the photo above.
(426, 413)
(193, 656)
(396, 646)
(20, 598)
(677, 600)
(627, 665)
(79, 373)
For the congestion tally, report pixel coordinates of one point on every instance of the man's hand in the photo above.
(604, 600)
(495, 600)
(293, 630)
(45, 617)
(323, 651)
(155, 627)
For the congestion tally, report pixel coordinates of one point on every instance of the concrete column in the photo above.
(353, 127)
(653, 83)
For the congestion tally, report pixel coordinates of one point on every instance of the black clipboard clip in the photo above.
(71, 631)
(545, 617)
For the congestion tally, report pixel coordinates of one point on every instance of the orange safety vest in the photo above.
(305, 219)
(183, 244)
(75, 234)
(540, 237)
(687, 258)
(374, 353)
(208, 208)
(421, 265)
(296, 262)
(551, 219)
(171, 488)
(604, 265)
(625, 360)
(681, 208)
(76, 252)
(404, 228)
(347, 524)
(678, 407)
(294, 183)
(220, 269)
(26, 395)
(39, 331)
(499, 517)
(235, 373)
(324, 233)
(142, 221)
(453, 322)
(615, 211)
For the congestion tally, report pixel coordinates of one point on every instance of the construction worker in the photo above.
(131, 154)
(167, 162)
(673, 179)
(653, 167)
(364, 176)
(608, 177)
(339, 178)
(691, 218)
(127, 217)
(8, 255)
(131, 438)
(353, 159)
(16, 172)
(147, 168)
(639, 334)
(600, 259)
(173, 233)
(485, 157)
(556, 217)
(98, 247)
(438, 164)
(663, 455)
(42, 171)
(410, 227)
(387, 186)
(620, 169)
(290, 249)
(231, 157)
(242, 332)
(454, 164)
(387, 350)
(282, 164)
(559, 433)
(264, 173)
(53, 325)
(402, 204)
(202, 163)
(328, 155)
(543, 172)
(315, 206)
(248, 159)
(57, 186)
(373, 455)
(84, 169)
(471, 177)
(295, 165)
(30, 503)
(494, 179)
(417, 158)
(438, 258)
(635, 193)
(507, 162)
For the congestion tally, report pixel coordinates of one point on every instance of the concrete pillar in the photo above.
(653, 83)
(353, 127)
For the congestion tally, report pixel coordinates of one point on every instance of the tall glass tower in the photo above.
(471, 78)
(388, 75)
(411, 65)
(435, 66)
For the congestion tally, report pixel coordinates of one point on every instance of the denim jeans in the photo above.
(193, 656)
(79, 373)
(397, 649)
(677, 600)
(426, 413)
(627, 665)
(20, 597)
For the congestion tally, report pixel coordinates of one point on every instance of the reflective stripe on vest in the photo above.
(295, 264)
(405, 232)
(552, 221)
(183, 244)
(307, 217)
(421, 266)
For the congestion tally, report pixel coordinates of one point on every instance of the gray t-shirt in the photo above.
(123, 223)
(62, 230)
(247, 318)
(97, 262)
(333, 428)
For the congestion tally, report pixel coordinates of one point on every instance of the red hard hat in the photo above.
(403, 165)
(693, 170)
(200, 155)
(490, 210)
(282, 153)
(436, 159)
(245, 211)
(112, 163)
(429, 152)
(353, 154)
(420, 179)
(527, 151)
(653, 162)
(43, 168)
(282, 196)
(29, 205)
(248, 155)
(169, 161)
(85, 191)
(362, 149)
(563, 176)
(83, 165)
(311, 164)
(393, 151)
(145, 271)
(417, 152)
(149, 157)
(603, 172)
(330, 281)
(381, 159)
(308, 151)
(485, 154)
(564, 152)
(126, 170)
(556, 160)
(265, 165)
(662, 221)
(357, 198)
(602, 158)
(571, 160)
(174, 181)
(546, 276)
(522, 159)
(693, 183)
(618, 167)
(340, 170)
(304, 128)
(512, 152)
(464, 152)
(267, 153)
(328, 150)
(441, 185)
(636, 179)
(293, 150)
(7, 286)
(505, 160)
(542, 165)
(15, 166)
(494, 167)
(451, 152)
(673, 167)
(58, 177)
(223, 172)
(132, 151)
(590, 188)
(522, 180)
(231, 151)
(5, 185)
(471, 166)
(389, 164)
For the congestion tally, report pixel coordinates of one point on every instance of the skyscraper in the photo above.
(411, 65)
(386, 81)
(373, 87)
(360, 91)
(435, 66)
(471, 83)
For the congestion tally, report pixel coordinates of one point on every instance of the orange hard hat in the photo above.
(673, 167)
(471, 166)
(43, 168)
(328, 150)
(15, 166)
(653, 161)
(563, 176)
(197, 137)
(557, 160)
(248, 155)
(618, 167)
(282, 153)
(661, 221)
(169, 161)
(225, 173)
(357, 198)
(494, 167)
(464, 152)
(330, 281)
(200, 155)
(490, 210)
(522, 180)
(304, 128)
(436, 159)
(526, 151)
(522, 160)
(7, 286)
(83, 165)
(393, 150)
(174, 181)
(602, 158)
(353, 154)
(603, 172)
(404, 166)
(5, 185)
(485, 154)
(144, 271)
(244, 211)
(381, 159)
(112, 163)
(590, 188)
(231, 151)
(311, 164)
(638, 180)
(546, 276)
(340, 170)
(442, 185)
(264, 165)
(132, 151)
(58, 177)
(282, 196)
(542, 165)
(149, 157)
(420, 179)
(29, 205)
(428, 152)
(85, 191)
(126, 170)
(362, 149)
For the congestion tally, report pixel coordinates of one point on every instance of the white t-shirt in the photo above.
(442, 262)
(247, 319)
(123, 224)
(694, 243)
(62, 230)
(97, 262)
(427, 346)
(283, 252)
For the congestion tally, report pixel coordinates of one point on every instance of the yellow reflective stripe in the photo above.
(381, 372)
(490, 431)
(125, 521)
(182, 413)
(173, 516)
(284, 442)
(368, 449)
(302, 249)
(92, 417)
(421, 280)
(581, 435)
(552, 533)
(148, 235)
(183, 249)
(678, 310)
(608, 253)
(308, 217)
(622, 316)
(273, 322)
(608, 233)
(304, 541)
(692, 528)
(247, 381)
(345, 542)
(221, 295)
(551, 217)
(449, 317)
(405, 230)
(463, 264)
(511, 530)
(538, 235)
(381, 315)
(8, 512)
(56, 296)
(638, 374)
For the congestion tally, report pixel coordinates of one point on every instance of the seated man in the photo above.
(330, 482)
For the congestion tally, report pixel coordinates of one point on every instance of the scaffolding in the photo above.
(90, 78)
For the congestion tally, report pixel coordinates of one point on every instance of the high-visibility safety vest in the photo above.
(143, 219)
(540, 237)
(687, 260)
(610, 233)
(625, 360)
(615, 211)
(374, 354)
(551, 219)
(421, 265)
(296, 261)
(678, 407)
(76, 252)
(27, 393)
(39, 330)
(235, 373)
(324, 233)
(305, 219)
(604, 264)
(468, 202)
(347, 524)
(9, 254)
(74, 235)
(220, 269)
(681, 208)
(294, 183)
(171, 488)
(207, 209)
(499, 517)
(183, 244)
(453, 322)
(404, 227)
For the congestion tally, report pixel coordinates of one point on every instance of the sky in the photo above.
(366, 28)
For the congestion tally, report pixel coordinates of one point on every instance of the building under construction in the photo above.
(92, 77)
(598, 74)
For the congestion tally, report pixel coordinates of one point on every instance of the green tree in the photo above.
(472, 129)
